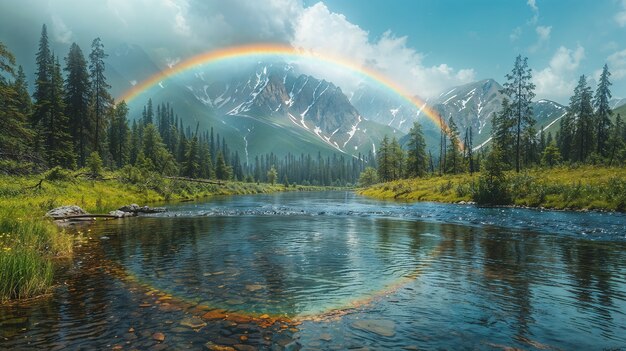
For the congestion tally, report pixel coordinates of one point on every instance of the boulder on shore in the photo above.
(65, 211)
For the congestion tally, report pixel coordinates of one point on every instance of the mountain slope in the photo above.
(277, 94)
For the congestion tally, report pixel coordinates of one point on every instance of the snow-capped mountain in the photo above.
(617, 103)
(277, 93)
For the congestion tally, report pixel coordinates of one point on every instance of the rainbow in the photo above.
(260, 50)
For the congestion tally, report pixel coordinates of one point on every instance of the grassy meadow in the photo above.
(575, 188)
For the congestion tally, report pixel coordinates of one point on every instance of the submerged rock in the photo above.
(122, 214)
(214, 347)
(193, 323)
(134, 208)
(376, 326)
(158, 337)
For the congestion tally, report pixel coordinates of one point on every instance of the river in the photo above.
(334, 270)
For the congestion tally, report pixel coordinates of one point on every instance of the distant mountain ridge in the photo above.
(273, 107)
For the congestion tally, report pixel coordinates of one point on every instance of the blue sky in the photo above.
(487, 35)
(425, 46)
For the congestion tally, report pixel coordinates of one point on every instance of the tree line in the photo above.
(72, 121)
(589, 133)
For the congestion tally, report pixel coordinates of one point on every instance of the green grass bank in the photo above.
(572, 188)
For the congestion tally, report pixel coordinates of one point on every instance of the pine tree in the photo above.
(384, 159)
(581, 108)
(191, 165)
(453, 153)
(59, 150)
(551, 155)
(416, 155)
(617, 141)
(502, 132)
(603, 111)
(222, 171)
(15, 107)
(77, 92)
(43, 89)
(101, 100)
(520, 89)
(565, 137)
(272, 174)
(397, 159)
(119, 136)
(368, 177)
(468, 149)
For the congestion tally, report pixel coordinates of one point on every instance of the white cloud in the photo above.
(617, 64)
(543, 36)
(517, 32)
(543, 32)
(557, 81)
(320, 30)
(168, 29)
(620, 16)
(60, 32)
(533, 6)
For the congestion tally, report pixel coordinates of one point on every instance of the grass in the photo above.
(576, 188)
(30, 245)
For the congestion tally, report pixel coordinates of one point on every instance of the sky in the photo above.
(425, 46)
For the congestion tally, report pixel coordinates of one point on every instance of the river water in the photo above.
(333, 270)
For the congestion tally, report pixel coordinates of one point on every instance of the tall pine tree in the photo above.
(77, 92)
(520, 90)
(416, 155)
(43, 81)
(603, 111)
(582, 110)
(101, 101)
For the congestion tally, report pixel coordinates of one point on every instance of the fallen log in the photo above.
(85, 216)
(206, 181)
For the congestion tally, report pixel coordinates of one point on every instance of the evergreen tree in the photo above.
(503, 132)
(135, 143)
(468, 149)
(397, 159)
(565, 137)
(272, 174)
(206, 162)
(77, 92)
(119, 136)
(416, 155)
(149, 115)
(520, 89)
(160, 159)
(551, 155)
(368, 177)
(191, 165)
(581, 108)
(492, 184)
(384, 160)
(43, 87)
(602, 111)
(101, 100)
(542, 140)
(453, 153)
(617, 141)
(15, 107)
(222, 171)
(59, 150)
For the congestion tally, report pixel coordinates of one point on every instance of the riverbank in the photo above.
(561, 188)
(30, 246)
